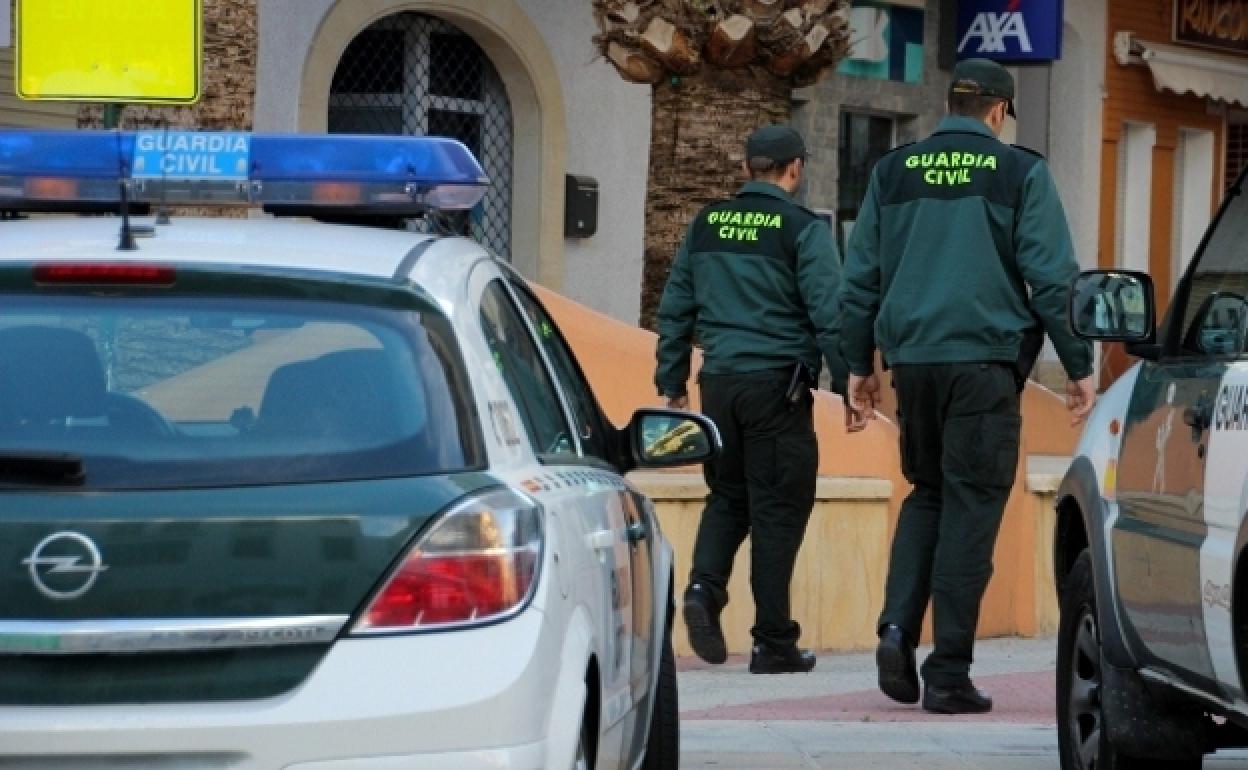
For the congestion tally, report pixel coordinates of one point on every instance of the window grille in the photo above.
(414, 74)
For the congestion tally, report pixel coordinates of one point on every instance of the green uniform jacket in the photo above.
(952, 233)
(757, 280)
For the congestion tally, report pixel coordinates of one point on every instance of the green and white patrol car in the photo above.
(1151, 545)
(284, 495)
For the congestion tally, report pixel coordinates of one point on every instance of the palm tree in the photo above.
(717, 69)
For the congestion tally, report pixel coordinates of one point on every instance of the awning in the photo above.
(1186, 70)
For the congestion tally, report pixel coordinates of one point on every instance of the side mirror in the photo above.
(1113, 306)
(662, 438)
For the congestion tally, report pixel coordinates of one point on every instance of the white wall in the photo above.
(608, 139)
(608, 124)
(1076, 93)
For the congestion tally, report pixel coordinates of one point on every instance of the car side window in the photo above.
(590, 425)
(520, 363)
(1215, 313)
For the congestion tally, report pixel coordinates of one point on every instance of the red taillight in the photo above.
(478, 563)
(105, 274)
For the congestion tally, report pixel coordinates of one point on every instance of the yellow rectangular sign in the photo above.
(144, 51)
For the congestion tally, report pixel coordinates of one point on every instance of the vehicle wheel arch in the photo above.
(1081, 513)
(573, 692)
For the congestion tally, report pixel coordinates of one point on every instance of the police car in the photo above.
(1151, 545)
(280, 494)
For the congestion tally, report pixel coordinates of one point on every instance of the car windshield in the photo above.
(164, 392)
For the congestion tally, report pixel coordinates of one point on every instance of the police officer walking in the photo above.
(756, 282)
(953, 232)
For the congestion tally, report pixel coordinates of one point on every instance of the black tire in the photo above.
(1082, 742)
(663, 744)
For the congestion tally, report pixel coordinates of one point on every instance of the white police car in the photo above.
(287, 495)
(1151, 546)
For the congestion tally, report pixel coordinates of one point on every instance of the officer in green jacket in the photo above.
(756, 282)
(953, 233)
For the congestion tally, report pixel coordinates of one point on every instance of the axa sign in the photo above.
(1010, 30)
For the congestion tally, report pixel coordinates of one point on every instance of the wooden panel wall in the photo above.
(1131, 96)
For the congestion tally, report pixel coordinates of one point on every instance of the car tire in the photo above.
(1083, 743)
(663, 744)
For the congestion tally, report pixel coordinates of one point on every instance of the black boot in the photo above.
(791, 660)
(701, 613)
(895, 660)
(959, 699)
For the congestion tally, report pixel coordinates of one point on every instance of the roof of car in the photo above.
(258, 242)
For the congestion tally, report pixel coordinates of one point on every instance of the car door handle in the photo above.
(637, 532)
(602, 540)
(1198, 418)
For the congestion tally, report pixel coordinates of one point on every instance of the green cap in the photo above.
(775, 142)
(983, 77)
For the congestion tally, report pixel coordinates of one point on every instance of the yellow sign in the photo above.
(146, 51)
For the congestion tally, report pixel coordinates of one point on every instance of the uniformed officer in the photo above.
(756, 282)
(953, 232)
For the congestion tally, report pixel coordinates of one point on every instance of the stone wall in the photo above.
(918, 107)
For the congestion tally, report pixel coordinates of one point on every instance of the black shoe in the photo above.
(767, 660)
(959, 699)
(895, 660)
(702, 621)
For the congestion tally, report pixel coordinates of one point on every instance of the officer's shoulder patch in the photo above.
(1028, 150)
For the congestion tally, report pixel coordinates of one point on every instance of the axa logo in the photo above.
(992, 30)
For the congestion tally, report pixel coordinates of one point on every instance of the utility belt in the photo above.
(798, 379)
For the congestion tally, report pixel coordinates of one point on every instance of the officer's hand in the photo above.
(855, 421)
(1080, 397)
(678, 402)
(864, 394)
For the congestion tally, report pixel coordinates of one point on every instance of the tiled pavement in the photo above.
(835, 718)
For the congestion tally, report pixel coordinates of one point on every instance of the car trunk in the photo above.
(78, 566)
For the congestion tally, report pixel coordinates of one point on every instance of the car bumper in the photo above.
(466, 699)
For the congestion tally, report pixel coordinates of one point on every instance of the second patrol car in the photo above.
(1151, 546)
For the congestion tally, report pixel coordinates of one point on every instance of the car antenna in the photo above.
(126, 242)
(162, 211)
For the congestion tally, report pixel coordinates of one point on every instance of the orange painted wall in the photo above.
(618, 359)
(1131, 96)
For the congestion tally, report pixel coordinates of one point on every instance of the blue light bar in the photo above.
(294, 173)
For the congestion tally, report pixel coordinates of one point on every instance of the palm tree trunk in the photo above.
(698, 127)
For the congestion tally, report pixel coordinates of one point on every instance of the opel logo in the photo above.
(64, 565)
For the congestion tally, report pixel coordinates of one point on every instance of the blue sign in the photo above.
(1010, 30)
(191, 155)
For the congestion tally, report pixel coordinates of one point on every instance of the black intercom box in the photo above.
(581, 207)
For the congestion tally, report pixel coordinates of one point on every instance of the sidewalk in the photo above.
(1018, 673)
(834, 718)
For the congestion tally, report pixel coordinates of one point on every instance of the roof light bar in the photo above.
(80, 170)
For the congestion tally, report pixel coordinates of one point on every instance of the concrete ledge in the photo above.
(1045, 472)
(690, 486)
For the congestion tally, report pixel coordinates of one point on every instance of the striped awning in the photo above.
(1187, 70)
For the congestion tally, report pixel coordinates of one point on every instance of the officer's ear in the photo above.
(745, 169)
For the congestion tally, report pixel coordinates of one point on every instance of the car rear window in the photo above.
(166, 392)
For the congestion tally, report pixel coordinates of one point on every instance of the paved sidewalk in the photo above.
(834, 718)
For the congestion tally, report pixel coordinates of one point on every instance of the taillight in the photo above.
(104, 274)
(478, 563)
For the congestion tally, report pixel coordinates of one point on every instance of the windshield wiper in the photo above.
(47, 467)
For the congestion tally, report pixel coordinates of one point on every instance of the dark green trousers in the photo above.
(762, 485)
(959, 448)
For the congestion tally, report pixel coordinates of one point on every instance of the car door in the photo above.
(581, 500)
(594, 434)
(1181, 468)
